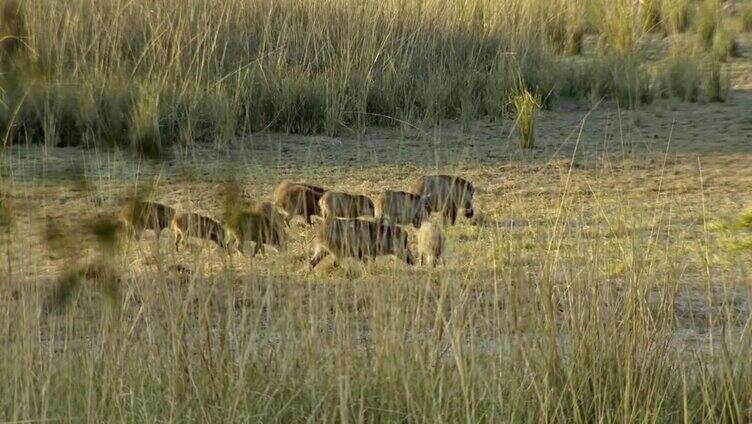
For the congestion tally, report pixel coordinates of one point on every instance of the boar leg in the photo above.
(317, 257)
(178, 241)
(285, 218)
(238, 242)
(257, 245)
(450, 215)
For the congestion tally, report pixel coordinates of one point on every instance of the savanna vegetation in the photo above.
(147, 74)
(603, 278)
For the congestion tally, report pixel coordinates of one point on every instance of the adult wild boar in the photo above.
(299, 199)
(448, 194)
(138, 216)
(259, 227)
(336, 204)
(269, 210)
(359, 238)
(401, 207)
(190, 224)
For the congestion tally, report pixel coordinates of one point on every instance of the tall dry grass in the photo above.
(526, 106)
(588, 306)
(86, 73)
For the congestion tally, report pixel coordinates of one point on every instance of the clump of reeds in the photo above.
(745, 218)
(680, 75)
(745, 16)
(709, 18)
(716, 84)
(13, 31)
(651, 12)
(725, 45)
(526, 106)
(620, 29)
(676, 15)
(144, 129)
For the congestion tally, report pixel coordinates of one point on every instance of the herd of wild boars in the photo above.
(348, 225)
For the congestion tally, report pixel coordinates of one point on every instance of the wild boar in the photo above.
(359, 238)
(259, 227)
(272, 213)
(448, 194)
(299, 199)
(138, 216)
(430, 244)
(401, 207)
(189, 224)
(345, 205)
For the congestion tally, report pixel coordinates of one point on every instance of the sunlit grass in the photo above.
(223, 69)
(601, 279)
(588, 293)
(526, 106)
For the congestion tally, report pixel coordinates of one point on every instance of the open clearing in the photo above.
(636, 235)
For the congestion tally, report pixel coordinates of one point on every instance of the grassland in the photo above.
(605, 277)
(144, 75)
